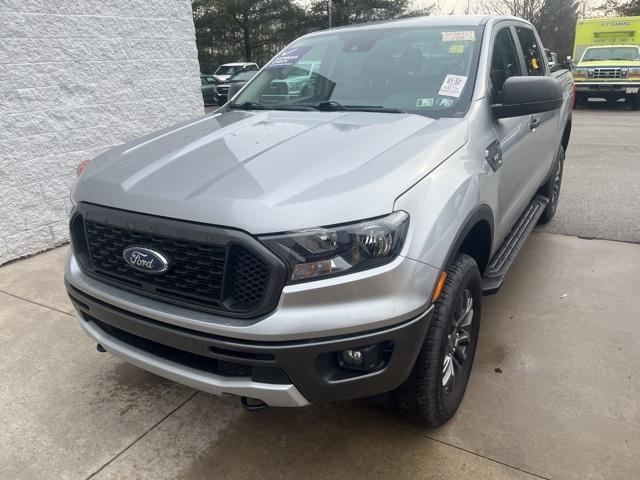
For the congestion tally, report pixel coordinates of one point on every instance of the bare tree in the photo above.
(530, 10)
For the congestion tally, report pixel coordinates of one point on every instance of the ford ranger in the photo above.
(334, 243)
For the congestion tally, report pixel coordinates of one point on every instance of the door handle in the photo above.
(534, 123)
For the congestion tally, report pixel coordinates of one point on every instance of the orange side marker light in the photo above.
(436, 294)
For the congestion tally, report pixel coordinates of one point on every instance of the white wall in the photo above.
(78, 76)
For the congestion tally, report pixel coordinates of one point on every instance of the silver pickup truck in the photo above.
(334, 242)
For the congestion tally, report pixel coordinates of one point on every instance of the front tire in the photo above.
(435, 388)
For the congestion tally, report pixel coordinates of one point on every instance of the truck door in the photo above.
(512, 136)
(543, 126)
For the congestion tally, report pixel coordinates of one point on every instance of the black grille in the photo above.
(213, 275)
(249, 278)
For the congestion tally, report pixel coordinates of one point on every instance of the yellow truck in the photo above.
(607, 52)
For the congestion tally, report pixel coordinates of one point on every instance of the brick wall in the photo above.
(76, 77)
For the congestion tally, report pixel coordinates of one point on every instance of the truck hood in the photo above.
(609, 63)
(273, 171)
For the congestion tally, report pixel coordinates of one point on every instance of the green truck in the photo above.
(607, 52)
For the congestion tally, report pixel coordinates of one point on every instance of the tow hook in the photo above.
(100, 348)
(253, 404)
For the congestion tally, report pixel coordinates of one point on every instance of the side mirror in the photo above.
(528, 95)
(234, 88)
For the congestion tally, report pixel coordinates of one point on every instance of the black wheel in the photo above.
(434, 390)
(551, 189)
(581, 98)
(634, 102)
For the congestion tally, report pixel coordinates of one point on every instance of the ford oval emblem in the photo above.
(145, 259)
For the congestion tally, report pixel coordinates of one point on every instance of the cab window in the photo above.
(504, 62)
(531, 51)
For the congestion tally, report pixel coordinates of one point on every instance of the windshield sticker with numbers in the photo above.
(465, 36)
(424, 102)
(452, 86)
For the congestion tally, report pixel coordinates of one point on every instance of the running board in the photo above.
(506, 254)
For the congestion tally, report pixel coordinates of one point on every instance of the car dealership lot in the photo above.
(553, 393)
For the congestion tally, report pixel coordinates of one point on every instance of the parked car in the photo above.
(336, 244)
(221, 90)
(224, 72)
(208, 89)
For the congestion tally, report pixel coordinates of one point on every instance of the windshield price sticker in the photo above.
(466, 36)
(452, 86)
(289, 57)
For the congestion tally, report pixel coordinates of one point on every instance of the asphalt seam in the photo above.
(124, 450)
(420, 434)
(35, 303)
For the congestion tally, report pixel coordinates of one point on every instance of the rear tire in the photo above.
(551, 189)
(435, 388)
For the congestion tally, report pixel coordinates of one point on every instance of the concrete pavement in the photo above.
(601, 182)
(553, 393)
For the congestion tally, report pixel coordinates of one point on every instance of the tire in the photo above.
(634, 102)
(581, 98)
(551, 189)
(430, 396)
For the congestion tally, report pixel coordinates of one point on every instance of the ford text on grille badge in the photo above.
(145, 260)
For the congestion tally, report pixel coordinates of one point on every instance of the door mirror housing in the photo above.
(528, 95)
(234, 88)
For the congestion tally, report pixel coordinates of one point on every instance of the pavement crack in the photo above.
(442, 442)
(35, 303)
(124, 450)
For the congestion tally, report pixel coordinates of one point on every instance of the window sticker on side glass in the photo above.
(465, 36)
(424, 102)
(289, 57)
(452, 86)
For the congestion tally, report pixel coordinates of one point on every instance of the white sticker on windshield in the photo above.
(466, 36)
(289, 57)
(452, 86)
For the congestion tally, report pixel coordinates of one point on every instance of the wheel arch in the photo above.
(475, 238)
(566, 135)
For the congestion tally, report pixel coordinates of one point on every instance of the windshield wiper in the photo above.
(260, 106)
(333, 106)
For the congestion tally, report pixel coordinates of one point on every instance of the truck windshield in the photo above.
(228, 69)
(426, 70)
(611, 53)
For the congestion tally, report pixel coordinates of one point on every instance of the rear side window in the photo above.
(531, 51)
(504, 61)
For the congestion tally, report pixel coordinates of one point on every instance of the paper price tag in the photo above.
(452, 86)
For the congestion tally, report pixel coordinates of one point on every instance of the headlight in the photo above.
(634, 71)
(590, 72)
(323, 252)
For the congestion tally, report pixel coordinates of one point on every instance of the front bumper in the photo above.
(620, 88)
(287, 374)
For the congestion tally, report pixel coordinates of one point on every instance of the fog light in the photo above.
(365, 359)
(352, 358)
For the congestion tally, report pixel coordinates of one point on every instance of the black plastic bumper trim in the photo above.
(307, 363)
